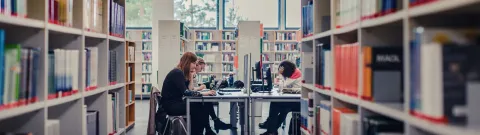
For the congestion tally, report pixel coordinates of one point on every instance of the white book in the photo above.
(93, 66)
(109, 114)
(76, 71)
(128, 74)
(325, 116)
(57, 72)
(53, 127)
(68, 68)
(327, 69)
(430, 81)
(349, 124)
(117, 110)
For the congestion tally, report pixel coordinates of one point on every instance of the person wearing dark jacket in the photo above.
(175, 87)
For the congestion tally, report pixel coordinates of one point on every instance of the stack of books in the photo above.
(117, 19)
(18, 83)
(91, 55)
(346, 69)
(60, 12)
(63, 72)
(94, 15)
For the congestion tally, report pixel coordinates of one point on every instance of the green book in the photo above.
(12, 72)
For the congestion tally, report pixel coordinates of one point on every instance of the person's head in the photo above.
(187, 63)
(286, 68)
(200, 65)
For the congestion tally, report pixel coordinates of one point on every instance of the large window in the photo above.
(293, 14)
(139, 13)
(265, 11)
(196, 13)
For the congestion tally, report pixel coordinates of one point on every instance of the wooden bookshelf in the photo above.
(130, 86)
(143, 44)
(35, 30)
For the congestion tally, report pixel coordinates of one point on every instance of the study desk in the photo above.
(273, 96)
(232, 97)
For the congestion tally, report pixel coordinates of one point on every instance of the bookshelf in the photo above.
(131, 84)
(217, 48)
(280, 45)
(143, 40)
(334, 50)
(82, 45)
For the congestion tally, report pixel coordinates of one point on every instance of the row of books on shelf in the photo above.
(208, 57)
(18, 85)
(346, 68)
(229, 46)
(146, 88)
(113, 112)
(60, 12)
(146, 46)
(287, 47)
(307, 19)
(146, 35)
(445, 75)
(287, 56)
(147, 56)
(228, 35)
(343, 120)
(131, 53)
(202, 46)
(227, 67)
(346, 12)
(201, 35)
(228, 57)
(146, 78)
(63, 72)
(208, 68)
(286, 36)
(146, 67)
(376, 8)
(117, 19)
(14, 7)
(93, 14)
(91, 60)
(323, 65)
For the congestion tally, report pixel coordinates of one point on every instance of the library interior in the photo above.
(220, 67)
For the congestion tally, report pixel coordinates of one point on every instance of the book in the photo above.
(110, 125)
(112, 67)
(92, 122)
(307, 19)
(286, 36)
(346, 12)
(202, 35)
(2, 63)
(336, 119)
(117, 21)
(53, 127)
(383, 74)
(65, 72)
(374, 125)
(325, 117)
(92, 67)
(346, 68)
(349, 124)
(12, 57)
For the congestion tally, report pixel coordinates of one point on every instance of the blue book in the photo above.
(13, 7)
(51, 73)
(34, 74)
(2, 64)
(87, 54)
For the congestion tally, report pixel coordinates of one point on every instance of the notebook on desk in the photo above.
(230, 90)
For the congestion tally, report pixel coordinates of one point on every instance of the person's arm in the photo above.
(179, 81)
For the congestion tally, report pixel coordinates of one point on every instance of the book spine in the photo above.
(2, 66)
(24, 75)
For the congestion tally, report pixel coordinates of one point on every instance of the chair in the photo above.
(161, 123)
(175, 126)
(153, 118)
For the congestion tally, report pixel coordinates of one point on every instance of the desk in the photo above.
(234, 97)
(274, 96)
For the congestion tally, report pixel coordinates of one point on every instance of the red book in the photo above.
(55, 11)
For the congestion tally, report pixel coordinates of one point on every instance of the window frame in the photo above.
(266, 28)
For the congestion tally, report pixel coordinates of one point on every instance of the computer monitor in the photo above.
(263, 80)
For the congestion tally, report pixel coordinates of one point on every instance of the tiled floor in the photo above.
(141, 118)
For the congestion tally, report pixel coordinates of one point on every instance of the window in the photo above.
(293, 14)
(139, 13)
(196, 13)
(265, 11)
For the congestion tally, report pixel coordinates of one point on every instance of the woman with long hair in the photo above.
(175, 87)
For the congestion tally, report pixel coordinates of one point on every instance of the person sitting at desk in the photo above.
(175, 87)
(290, 78)
(218, 124)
